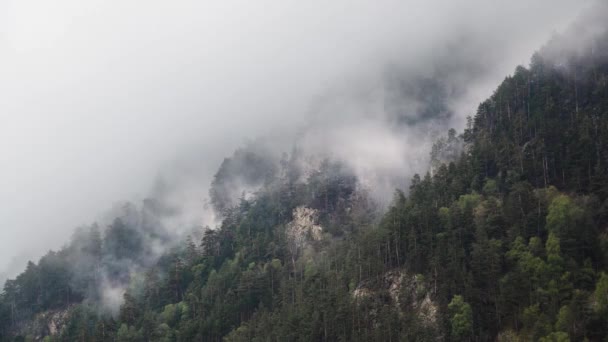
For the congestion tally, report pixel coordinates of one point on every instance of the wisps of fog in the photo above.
(103, 101)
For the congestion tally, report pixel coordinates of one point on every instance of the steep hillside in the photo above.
(506, 239)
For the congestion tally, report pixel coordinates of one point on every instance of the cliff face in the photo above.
(47, 323)
(408, 293)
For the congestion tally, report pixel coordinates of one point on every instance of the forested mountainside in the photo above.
(506, 238)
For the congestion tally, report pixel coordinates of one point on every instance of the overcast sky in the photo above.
(97, 96)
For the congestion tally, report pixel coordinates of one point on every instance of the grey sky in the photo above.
(97, 96)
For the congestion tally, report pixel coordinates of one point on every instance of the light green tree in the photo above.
(461, 319)
(601, 294)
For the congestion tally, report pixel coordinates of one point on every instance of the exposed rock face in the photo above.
(55, 320)
(427, 310)
(362, 292)
(302, 230)
(406, 292)
(46, 323)
(303, 227)
(418, 297)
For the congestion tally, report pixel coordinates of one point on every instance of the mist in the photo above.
(102, 100)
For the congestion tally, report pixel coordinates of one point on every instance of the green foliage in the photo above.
(469, 201)
(601, 294)
(461, 319)
(556, 337)
(563, 215)
(490, 188)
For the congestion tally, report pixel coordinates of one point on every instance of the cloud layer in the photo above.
(101, 98)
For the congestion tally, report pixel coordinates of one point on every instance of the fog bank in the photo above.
(101, 99)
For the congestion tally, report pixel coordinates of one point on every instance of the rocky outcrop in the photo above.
(303, 229)
(46, 323)
(406, 292)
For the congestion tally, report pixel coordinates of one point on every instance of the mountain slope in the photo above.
(507, 239)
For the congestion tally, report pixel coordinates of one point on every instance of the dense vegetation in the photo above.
(507, 239)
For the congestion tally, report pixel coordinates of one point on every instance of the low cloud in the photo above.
(104, 99)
